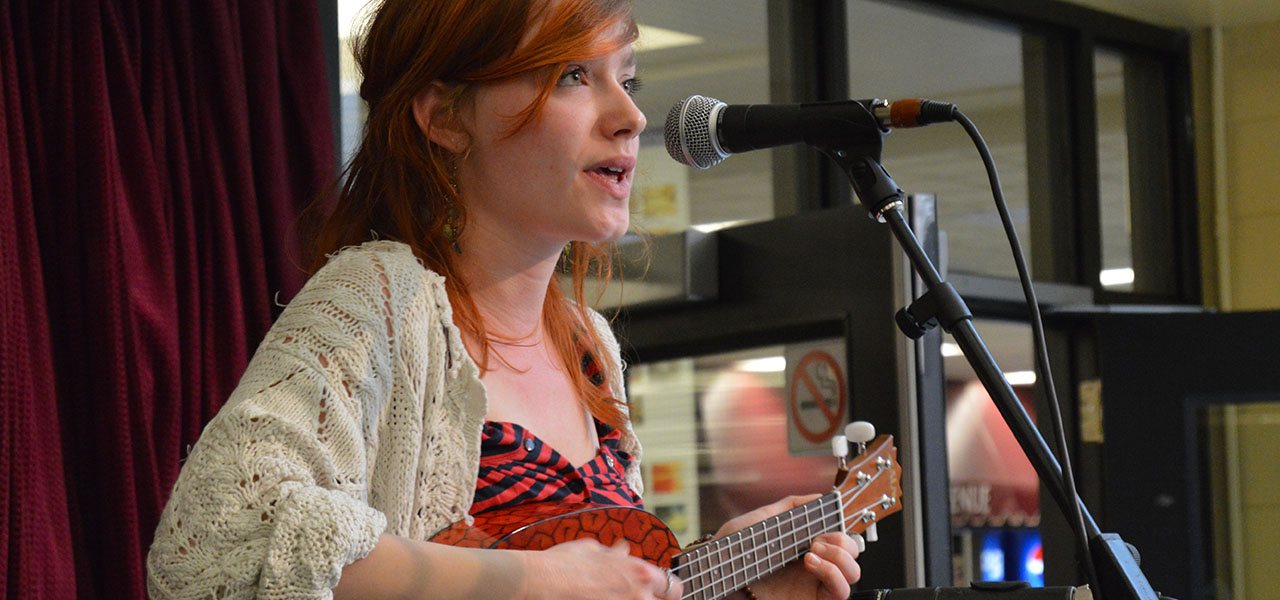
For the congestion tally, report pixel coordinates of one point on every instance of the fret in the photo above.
(784, 544)
(797, 544)
(837, 517)
(755, 557)
(808, 526)
(721, 558)
(684, 571)
(700, 563)
(739, 563)
(773, 549)
(708, 574)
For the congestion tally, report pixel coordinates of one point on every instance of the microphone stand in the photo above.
(1115, 561)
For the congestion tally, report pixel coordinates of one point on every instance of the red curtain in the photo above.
(155, 157)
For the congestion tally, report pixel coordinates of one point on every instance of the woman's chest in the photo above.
(545, 404)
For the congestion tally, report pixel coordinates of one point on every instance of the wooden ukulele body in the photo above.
(541, 525)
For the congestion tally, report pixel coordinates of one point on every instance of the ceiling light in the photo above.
(717, 226)
(768, 364)
(1115, 277)
(657, 38)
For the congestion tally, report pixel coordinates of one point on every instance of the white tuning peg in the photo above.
(870, 533)
(840, 446)
(860, 432)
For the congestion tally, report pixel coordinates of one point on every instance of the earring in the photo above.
(565, 254)
(451, 230)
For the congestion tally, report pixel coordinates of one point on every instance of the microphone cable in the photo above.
(1044, 373)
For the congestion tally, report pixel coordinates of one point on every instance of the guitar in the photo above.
(867, 489)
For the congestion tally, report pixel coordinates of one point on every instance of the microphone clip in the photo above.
(876, 190)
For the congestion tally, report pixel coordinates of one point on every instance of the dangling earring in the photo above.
(565, 254)
(451, 230)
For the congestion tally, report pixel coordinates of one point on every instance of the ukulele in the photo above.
(867, 488)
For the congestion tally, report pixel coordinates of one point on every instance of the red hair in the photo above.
(398, 183)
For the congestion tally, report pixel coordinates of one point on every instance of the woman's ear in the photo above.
(435, 114)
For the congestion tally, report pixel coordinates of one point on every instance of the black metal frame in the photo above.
(1154, 463)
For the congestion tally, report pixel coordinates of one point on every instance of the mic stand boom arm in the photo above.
(1119, 576)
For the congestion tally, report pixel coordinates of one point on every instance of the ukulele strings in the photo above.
(795, 514)
(741, 538)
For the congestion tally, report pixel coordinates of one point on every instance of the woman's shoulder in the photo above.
(383, 267)
(379, 256)
(379, 276)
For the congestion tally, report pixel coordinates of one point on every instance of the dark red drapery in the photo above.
(155, 157)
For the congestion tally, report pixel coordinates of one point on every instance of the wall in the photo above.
(1248, 199)
(1247, 210)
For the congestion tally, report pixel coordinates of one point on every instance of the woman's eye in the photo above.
(633, 85)
(571, 77)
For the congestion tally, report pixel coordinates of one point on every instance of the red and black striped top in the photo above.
(516, 467)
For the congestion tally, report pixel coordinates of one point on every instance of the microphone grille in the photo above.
(690, 132)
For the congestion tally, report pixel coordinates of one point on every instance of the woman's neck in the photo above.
(507, 280)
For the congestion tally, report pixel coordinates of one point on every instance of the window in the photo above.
(702, 48)
(904, 51)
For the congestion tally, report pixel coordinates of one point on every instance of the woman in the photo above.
(500, 147)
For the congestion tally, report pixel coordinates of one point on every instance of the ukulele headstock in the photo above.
(870, 483)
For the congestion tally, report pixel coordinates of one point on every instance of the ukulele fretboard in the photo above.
(723, 566)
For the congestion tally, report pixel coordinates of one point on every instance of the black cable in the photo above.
(1045, 376)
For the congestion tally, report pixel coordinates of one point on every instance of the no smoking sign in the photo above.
(817, 396)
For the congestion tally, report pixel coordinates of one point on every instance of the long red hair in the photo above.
(398, 186)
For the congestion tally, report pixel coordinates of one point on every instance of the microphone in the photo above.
(701, 132)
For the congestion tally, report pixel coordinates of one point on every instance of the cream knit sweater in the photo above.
(360, 413)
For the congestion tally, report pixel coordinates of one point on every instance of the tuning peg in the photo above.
(839, 446)
(840, 450)
(870, 534)
(860, 432)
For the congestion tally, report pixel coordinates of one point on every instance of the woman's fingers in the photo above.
(833, 560)
(844, 556)
(614, 573)
(831, 580)
(661, 582)
(670, 587)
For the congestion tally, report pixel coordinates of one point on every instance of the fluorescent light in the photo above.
(658, 38)
(709, 227)
(951, 349)
(1020, 377)
(1115, 277)
(769, 364)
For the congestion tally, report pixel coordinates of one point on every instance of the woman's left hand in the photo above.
(825, 573)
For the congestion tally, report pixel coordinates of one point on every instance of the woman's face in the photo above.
(566, 176)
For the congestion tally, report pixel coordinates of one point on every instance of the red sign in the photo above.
(817, 381)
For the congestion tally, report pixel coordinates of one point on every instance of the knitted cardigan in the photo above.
(360, 413)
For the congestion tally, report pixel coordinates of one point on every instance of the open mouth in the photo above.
(614, 172)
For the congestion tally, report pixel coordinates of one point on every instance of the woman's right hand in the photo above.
(588, 569)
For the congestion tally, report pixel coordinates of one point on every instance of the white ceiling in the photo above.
(1191, 13)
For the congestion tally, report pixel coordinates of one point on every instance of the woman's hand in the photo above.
(826, 572)
(588, 569)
